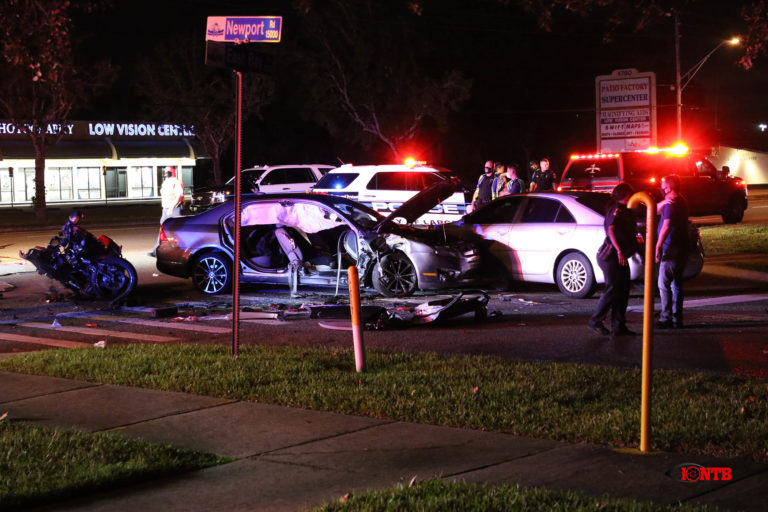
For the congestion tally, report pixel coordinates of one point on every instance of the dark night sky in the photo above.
(533, 91)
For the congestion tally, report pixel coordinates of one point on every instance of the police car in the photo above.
(385, 187)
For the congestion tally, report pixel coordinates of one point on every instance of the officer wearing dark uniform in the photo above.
(620, 230)
(484, 189)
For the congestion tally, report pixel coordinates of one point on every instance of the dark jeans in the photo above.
(671, 290)
(615, 297)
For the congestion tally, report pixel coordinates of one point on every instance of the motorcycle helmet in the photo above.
(76, 216)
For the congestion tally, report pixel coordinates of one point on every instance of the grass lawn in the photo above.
(440, 496)
(692, 412)
(733, 238)
(43, 465)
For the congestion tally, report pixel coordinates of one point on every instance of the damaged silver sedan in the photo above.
(308, 239)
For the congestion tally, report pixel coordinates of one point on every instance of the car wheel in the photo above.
(575, 276)
(395, 276)
(212, 273)
(734, 212)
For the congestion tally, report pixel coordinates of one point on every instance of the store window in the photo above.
(23, 184)
(140, 179)
(6, 190)
(88, 182)
(58, 184)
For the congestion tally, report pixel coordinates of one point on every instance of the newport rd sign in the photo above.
(243, 29)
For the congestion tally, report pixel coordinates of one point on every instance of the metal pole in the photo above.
(357, 328)
(650, 256)
(678, 88)
(238, 204)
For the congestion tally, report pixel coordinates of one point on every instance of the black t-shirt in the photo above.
(544, 180)
(623, 222)
(676, 244)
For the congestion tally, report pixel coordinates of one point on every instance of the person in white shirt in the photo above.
(172, 194)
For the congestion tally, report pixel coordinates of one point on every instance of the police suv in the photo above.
(267, 179)
(385, 187)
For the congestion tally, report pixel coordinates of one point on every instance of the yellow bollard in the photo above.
(650, 256)
(357, 329)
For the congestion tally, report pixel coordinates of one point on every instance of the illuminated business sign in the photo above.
(239, 29)
(626, 110)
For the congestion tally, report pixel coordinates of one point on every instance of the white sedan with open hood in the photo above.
(311, 238)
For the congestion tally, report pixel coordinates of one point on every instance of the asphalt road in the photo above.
(726, 314)
(726, 317)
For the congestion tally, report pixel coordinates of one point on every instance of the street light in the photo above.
(682, 81)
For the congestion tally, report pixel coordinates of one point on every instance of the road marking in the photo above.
(262, 322)
(42, 341)
(712, 301)
(101, 332)
(716, 301)
(182, 326)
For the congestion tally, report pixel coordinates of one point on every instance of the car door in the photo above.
(542, 228)
(385, 192)
(494, 222)
(287, 179)
(702, 189)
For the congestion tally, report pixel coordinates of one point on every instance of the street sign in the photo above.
(626, 110)
(261, 29)
(242, 57)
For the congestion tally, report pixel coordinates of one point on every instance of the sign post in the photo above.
(626, 111)
(230, 31)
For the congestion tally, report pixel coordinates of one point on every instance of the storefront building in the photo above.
(97, 161)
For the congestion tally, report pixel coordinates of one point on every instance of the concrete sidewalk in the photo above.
(292, 459)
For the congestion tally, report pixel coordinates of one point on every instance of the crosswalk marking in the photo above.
(101, 332)
(42, 341)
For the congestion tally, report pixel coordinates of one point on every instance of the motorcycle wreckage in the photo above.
(91, 267)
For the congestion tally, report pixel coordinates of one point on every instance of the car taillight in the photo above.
(162, 236)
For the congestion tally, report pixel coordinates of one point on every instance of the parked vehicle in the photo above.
(330, 233)
(91, 267)
(266, 179)
(385, 187)
(709, 191)
(550, 238)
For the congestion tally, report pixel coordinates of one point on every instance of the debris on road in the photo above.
(379, 317)
(185, 319)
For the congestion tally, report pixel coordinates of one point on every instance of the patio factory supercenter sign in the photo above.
(626, 110)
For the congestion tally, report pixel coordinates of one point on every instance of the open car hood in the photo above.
(422, 202)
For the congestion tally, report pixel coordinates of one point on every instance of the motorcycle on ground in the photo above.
(92, 267)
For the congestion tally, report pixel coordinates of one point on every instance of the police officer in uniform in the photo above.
(484, 190)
